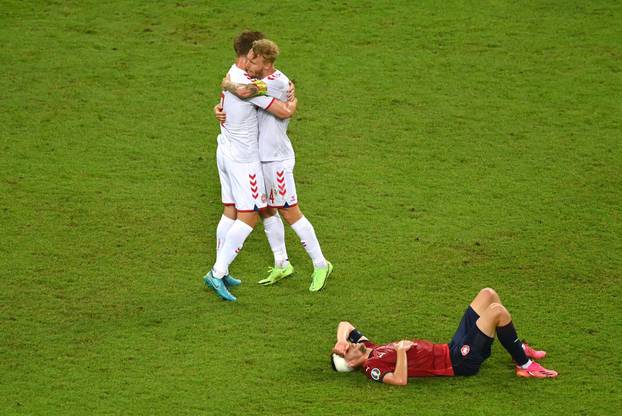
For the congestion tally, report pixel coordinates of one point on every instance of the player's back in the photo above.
(239, 133)
(274, 144)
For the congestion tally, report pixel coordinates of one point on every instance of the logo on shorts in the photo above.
(375, 373)
(465, 350)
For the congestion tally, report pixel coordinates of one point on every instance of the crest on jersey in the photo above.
(375, 373)
(465, 350)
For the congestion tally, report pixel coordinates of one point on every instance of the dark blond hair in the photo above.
(266, 49)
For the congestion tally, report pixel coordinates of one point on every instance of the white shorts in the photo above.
(241, 184)
(280, 185)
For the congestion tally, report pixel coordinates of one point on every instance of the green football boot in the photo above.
(276, 274)
(319, 277)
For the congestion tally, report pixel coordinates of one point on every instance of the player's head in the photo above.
(244, 42)
(354, 357)
(267, 49)
(339, 364)
(261, 57)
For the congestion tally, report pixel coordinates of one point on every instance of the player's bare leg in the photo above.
(492, 317)
(495, 318)
(305, 231)
(291, 214)
(230, 211)
(483, 299)
(275, 232)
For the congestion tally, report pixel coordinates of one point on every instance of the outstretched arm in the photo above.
(400, 376)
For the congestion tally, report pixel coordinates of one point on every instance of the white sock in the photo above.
(234, 241)
(275, 231)
(222, 230)
(309, 241)
(526, 365)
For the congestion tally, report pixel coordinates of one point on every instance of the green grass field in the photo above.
(441, 147)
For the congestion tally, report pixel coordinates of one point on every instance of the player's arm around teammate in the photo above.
(278, 108)
(247, 91)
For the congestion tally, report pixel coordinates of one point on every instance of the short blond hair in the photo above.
(266, 49)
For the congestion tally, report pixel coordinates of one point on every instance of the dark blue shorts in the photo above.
(469, 346)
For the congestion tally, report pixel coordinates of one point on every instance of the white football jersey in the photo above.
(274, 144)
(239, 134)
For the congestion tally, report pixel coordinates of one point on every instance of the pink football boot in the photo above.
(533, 354)
(535, 370)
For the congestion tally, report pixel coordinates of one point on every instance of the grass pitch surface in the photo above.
(440, 149)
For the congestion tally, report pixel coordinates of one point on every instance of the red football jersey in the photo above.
(424, 359)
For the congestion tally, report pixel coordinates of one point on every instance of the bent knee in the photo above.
(490, 294)
(498, 310)
(501, 314)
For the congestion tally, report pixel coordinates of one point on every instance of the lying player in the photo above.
(463, 356)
